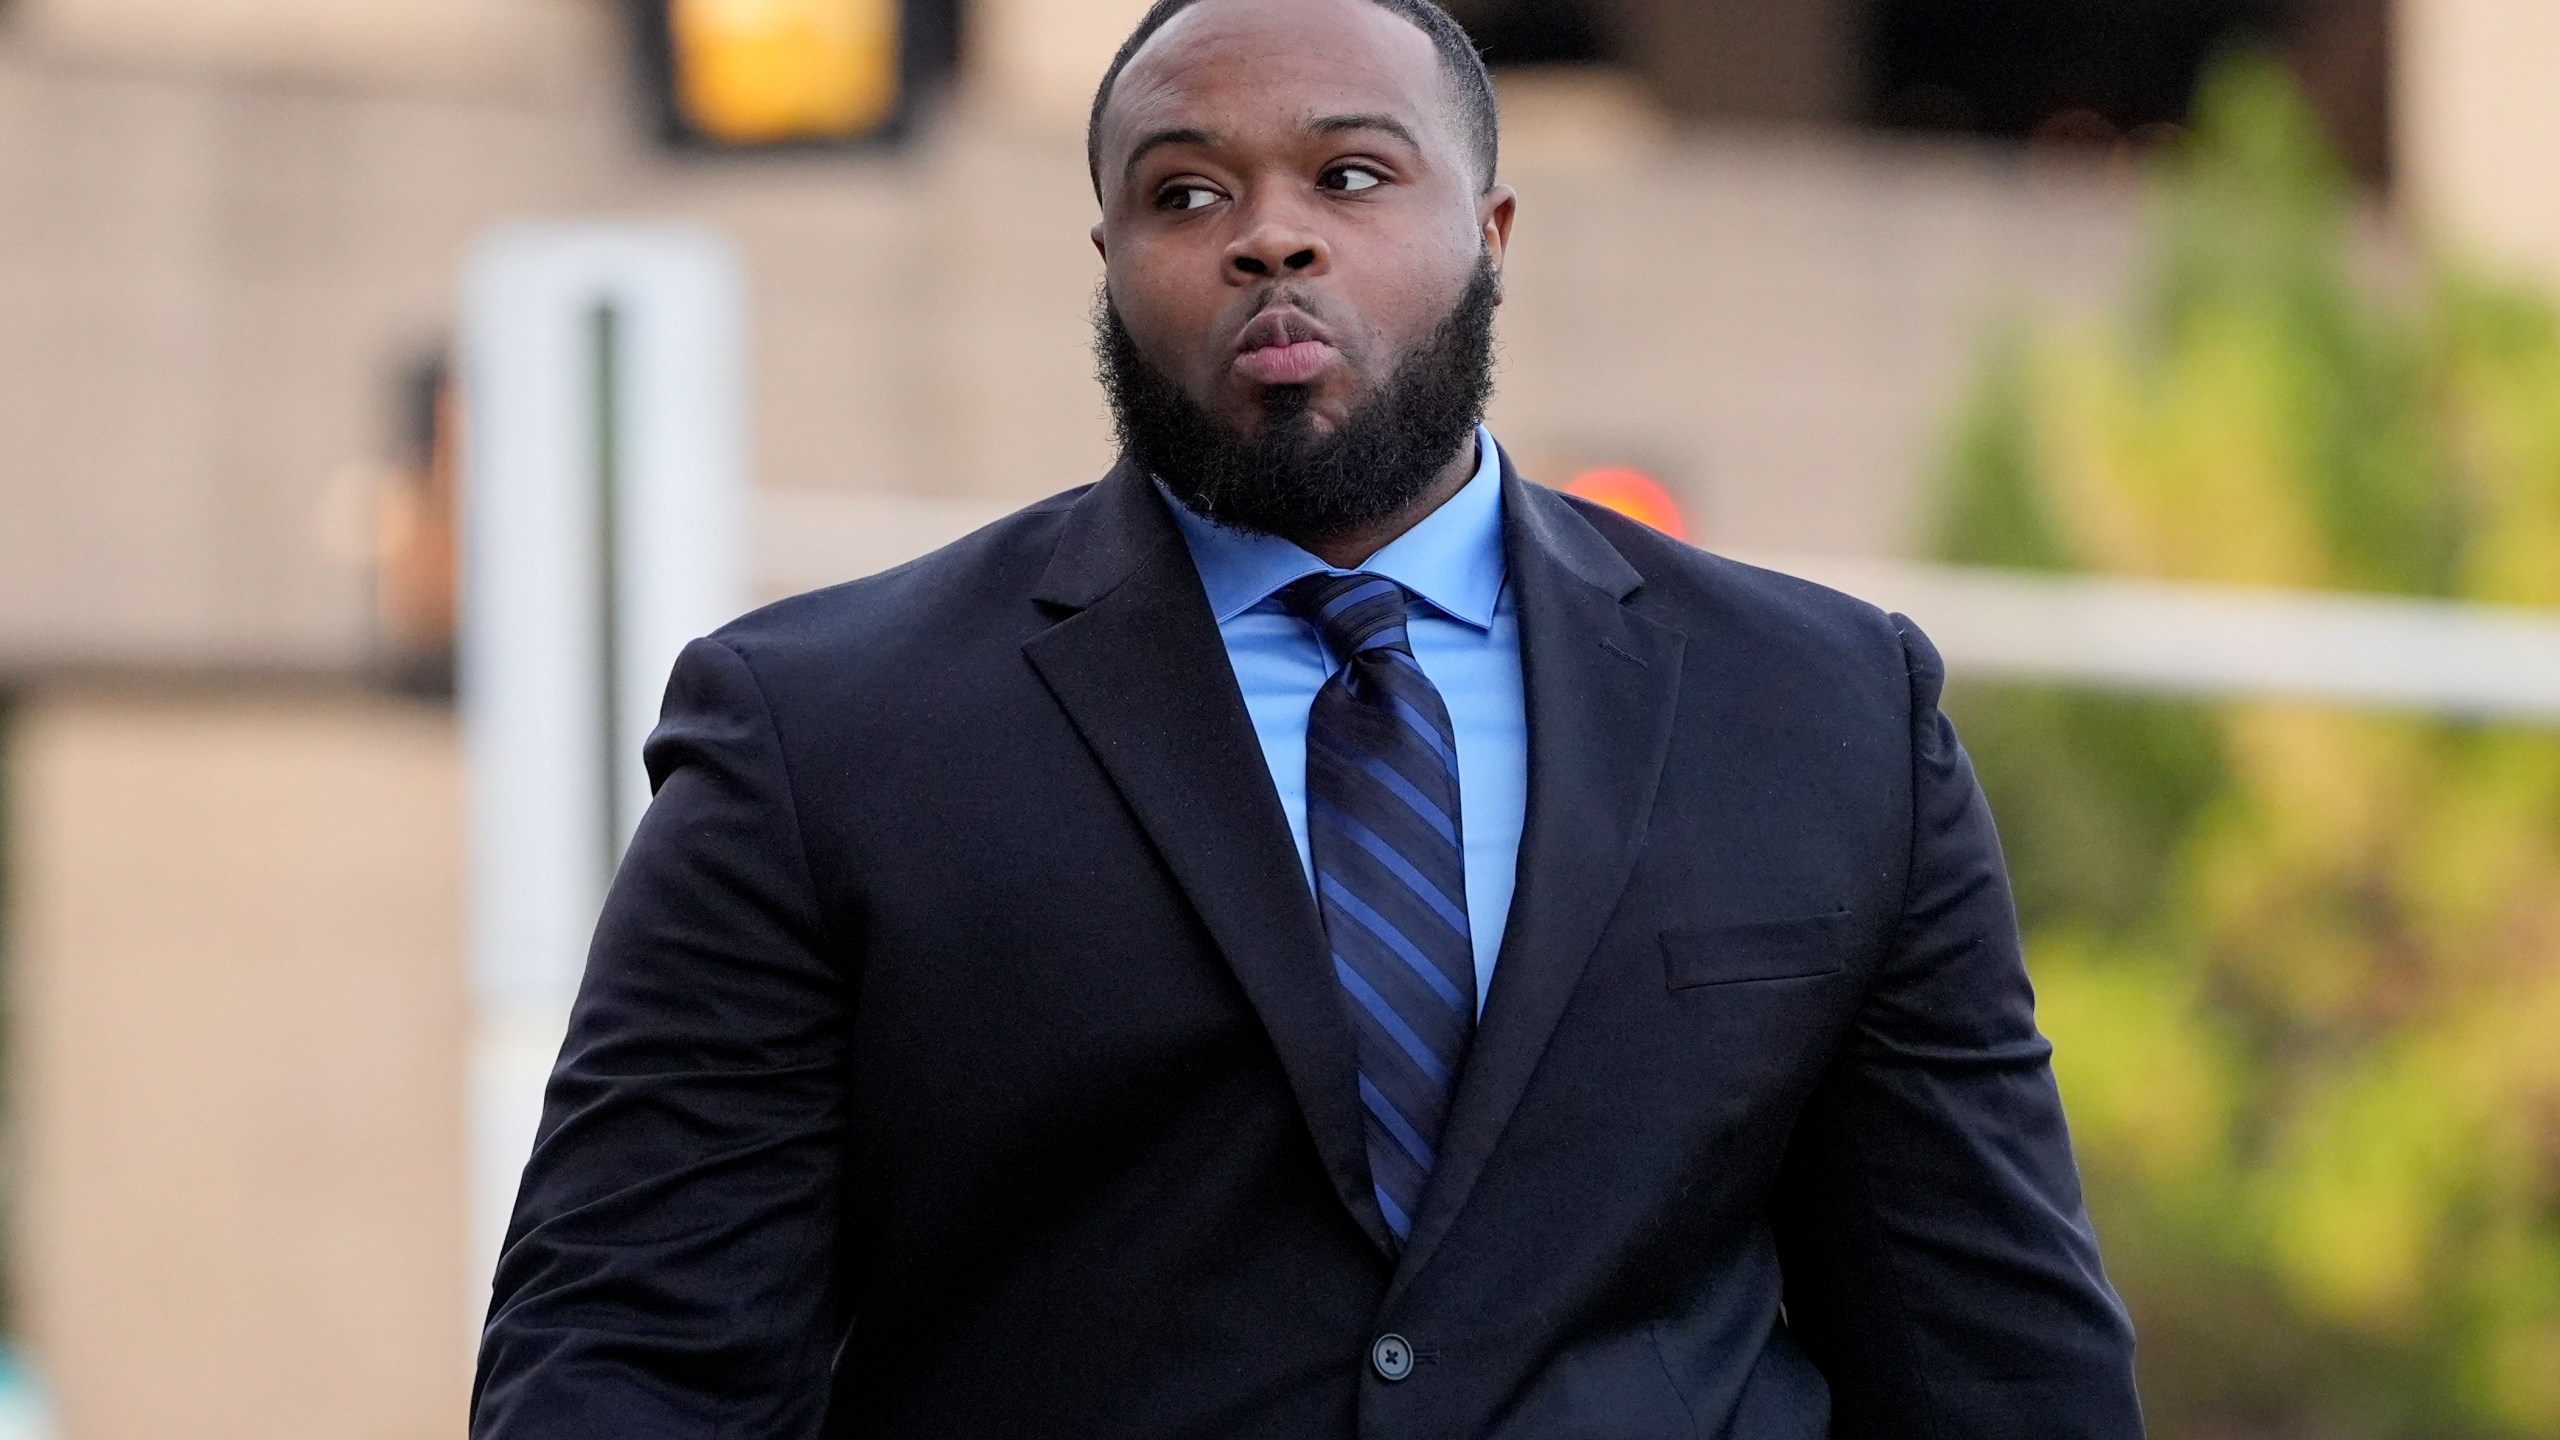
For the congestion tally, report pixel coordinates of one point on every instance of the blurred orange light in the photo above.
(759, 71)
(1631, 493)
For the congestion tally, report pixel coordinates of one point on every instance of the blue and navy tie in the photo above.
(1390, 872)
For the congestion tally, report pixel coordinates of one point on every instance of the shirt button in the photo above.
(1392, 1357)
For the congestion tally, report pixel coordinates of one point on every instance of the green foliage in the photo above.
(2301, 966)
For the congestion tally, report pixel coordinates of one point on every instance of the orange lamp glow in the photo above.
(1631, 493)
(759, 71)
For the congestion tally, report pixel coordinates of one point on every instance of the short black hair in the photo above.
(1476, 108)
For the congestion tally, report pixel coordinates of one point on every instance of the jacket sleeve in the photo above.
(1939, 1267)
(672, 1266)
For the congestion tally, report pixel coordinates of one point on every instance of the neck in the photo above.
(1350, 549)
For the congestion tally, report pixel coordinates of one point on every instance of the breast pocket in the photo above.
(1792, 949)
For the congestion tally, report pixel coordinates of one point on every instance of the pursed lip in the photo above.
(1284, 345)
(1281, 325)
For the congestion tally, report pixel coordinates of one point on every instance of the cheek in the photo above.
(1165, 297)
(1402, 296)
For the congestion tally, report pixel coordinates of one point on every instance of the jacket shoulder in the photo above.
(1760, 611)
(973, 591)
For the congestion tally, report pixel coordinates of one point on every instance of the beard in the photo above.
(1286, 479)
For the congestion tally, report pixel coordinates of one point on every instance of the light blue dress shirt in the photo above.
(1466, 634)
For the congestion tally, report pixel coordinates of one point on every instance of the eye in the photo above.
(1186, 197)
(1352, 178)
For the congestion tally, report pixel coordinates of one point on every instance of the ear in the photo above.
(1494, 211)
(1100, 248)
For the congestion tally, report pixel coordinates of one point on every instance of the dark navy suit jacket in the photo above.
(957, 1056)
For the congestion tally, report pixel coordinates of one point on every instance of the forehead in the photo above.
(1230, 65)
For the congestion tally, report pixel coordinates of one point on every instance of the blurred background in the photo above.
(2188, 367)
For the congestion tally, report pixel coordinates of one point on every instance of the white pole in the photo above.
(2442, 657)
(604, 383)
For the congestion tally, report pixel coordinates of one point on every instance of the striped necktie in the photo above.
(1390, 874)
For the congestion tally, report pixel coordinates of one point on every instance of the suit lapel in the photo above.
(1141, 671)
(1602, 683)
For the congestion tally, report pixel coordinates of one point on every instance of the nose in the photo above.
(1275, 243)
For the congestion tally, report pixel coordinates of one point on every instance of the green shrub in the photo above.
(2301, 965)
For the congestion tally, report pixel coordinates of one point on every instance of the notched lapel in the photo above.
(1141, 671)
(1603, 683)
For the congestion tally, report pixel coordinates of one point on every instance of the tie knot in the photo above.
(1352, 612)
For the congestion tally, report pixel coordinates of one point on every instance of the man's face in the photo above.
(1290, 206)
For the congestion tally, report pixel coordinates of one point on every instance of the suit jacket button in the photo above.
(1392, 1357)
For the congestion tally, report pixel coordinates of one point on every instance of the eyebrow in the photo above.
(1181, 135)
(1336, 124)
(1322, 125)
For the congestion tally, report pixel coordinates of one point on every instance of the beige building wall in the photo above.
(1042, 57)
(2479, 126)
(237, 1037)
(472, 44)
(209, 287)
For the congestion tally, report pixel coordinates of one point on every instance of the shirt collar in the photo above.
(1453, 558)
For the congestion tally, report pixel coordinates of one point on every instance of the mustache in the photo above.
(1277, 293)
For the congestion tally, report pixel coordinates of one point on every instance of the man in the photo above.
(1312, 935)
